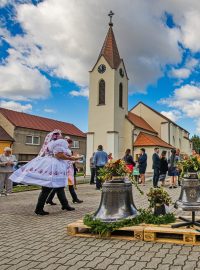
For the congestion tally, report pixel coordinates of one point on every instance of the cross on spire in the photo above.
(111, 15)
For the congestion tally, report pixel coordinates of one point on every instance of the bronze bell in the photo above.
(189, 199)
(116, 201)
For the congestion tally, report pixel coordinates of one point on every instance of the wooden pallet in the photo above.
(126, 233)
(172, 235)
(143, 232)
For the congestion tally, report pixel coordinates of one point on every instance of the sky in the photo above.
(47, 48)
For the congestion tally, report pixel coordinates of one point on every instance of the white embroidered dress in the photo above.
(45, 171)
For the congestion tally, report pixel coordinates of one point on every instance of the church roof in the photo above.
(110, 50)
(144, 139)
(139, 122)
(25, 120)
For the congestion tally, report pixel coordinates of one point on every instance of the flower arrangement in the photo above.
(114, 168)
(189, 164)
(117, 169)
(158, 196)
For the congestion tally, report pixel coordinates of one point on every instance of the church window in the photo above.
(121, 95)
(102, 92)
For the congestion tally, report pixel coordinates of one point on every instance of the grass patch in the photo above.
(80, 174)
(25, 188)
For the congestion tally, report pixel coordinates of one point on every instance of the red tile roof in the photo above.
(144, 139)
(139, 122)
(110, 50)
(4, 136)
(25, 120)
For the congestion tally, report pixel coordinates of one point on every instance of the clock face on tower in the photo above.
(101, 68)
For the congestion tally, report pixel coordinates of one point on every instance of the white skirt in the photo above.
(45, 171)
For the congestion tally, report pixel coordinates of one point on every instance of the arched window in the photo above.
(102, 92)
(121, 95)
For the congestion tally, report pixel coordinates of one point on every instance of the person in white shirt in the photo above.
(7, 163)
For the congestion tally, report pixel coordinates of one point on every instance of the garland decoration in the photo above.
(145, 216)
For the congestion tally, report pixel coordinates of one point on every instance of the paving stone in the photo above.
(113, 267)
(180, 260)
(94, 263)
(154, 263)
(42, 242)
(147, 257)
(122, 259)
(163, 267)
(190, 265)
(105, 263)
(139, 266)
(169, 258)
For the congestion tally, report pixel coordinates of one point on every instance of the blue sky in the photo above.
(47, 48)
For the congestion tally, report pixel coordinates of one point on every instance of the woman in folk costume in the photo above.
(70, 178)
(48, 170)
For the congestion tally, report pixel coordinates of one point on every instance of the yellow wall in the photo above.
(4, 144)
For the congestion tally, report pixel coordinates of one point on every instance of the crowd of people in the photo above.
(55, 168)
(162, 166)
(100, 158)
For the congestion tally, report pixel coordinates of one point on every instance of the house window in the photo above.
(34, 140)
(75, 144)
(121, 95)
(102, 92)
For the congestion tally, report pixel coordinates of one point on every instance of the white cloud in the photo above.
(20, 82)
(186, 99)
(173, 115)
(192, 63)
(65, 41)
(187, 92)
(49, 110)
(181, 73)
(84, 92)
(15, 106)
(190, 28)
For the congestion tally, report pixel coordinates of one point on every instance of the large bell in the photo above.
(116, 201)
(189, 199)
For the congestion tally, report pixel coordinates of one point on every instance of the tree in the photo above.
(196, 143)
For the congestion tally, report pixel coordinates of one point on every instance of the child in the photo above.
(136, 173)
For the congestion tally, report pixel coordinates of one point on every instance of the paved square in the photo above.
(32, 242)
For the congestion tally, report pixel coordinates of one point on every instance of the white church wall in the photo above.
(153, 119)
(165, 131)
(150, 151)
(90, 150)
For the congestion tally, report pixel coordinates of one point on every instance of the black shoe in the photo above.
(68, 208)
(175, 186)
(51, 203)
(92, 183)
(41, 212)
(77, 201)
(170, 187)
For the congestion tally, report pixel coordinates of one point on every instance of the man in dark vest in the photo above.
(156, 167)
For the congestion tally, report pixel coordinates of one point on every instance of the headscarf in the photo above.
(50, 136)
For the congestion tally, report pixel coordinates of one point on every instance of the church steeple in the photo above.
(109, 49)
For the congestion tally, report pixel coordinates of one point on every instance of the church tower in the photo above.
(108, 99)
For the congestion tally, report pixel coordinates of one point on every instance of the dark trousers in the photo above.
(155, 177)
(73, 193)
(98, 182)
(53, 192)
(93, 173)
(45, 193)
